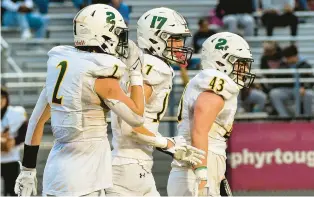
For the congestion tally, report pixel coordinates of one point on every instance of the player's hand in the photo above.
(26, 182)
(135, 59)
(187, 153)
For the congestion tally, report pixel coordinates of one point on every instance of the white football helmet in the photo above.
(156, 26)
(102, 26)
(230, 54)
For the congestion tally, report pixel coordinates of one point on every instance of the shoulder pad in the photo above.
(61, 50)
(104, 65)
(155, 70)
(218, 82)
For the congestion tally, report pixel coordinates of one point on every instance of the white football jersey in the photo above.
(221, 84)
(81, 152)
(13, 119)
(159, 75)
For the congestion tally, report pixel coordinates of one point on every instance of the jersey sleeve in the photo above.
(218, 83)
(154, 74)
(108, 66)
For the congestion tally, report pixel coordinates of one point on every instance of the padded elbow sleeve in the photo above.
(124, 112)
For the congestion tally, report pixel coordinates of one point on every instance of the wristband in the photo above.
(161, 142)
(30, 156)
(136, 80)
(201, 173)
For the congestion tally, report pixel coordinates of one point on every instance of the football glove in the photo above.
(183, 152)
(134, 64)
(26, 182)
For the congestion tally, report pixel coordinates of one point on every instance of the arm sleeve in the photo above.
(124, 112)
(36, 115)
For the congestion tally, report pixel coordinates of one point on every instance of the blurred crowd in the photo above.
(281, 96)
(30, 15)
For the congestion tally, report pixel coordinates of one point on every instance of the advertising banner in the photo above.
(272, 156)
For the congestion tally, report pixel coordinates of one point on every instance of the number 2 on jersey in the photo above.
(217, 87)
(63, 65)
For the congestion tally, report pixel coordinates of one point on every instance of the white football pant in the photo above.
(133, 180)
(181, 180)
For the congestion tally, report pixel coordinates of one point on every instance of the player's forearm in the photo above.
(35, 130)
(143, 130)
(138, 98)
(33, 137)
(204, 117)
(143, 136)
(200, 141)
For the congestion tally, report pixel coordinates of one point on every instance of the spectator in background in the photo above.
(237, 12)
(300, 5)
(271, 59)
(20, 13)
(252, 100)
(213, 20)
(279, 13)
(122, 8)
(285, 92)
(272, 56)
(13, 131)
(201, 35)
(42, 6)
(310, 5)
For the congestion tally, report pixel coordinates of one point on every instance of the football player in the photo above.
(82, 84)
(206, 113)
(161, 33)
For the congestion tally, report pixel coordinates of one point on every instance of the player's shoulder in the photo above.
(156, 71)
(155, 64)
(216, 81)
(106, 65)
(99, 59)
(105, 60)
(61, 50)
